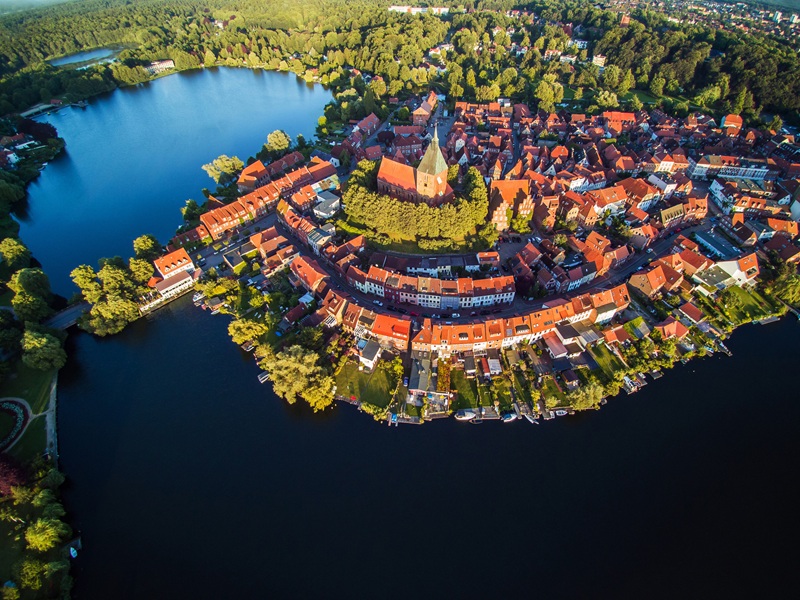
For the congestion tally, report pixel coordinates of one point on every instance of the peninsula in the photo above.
(576, 267)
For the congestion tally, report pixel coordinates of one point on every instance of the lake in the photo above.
(87, 56)
(134, 156)
(189, 479)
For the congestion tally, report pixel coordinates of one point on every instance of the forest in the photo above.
(688, 65)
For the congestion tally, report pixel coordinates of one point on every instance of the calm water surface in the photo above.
(188, 479)
(133, 157)
(82, 56)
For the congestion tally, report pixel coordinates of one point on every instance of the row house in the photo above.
(732, 167)
(432, 292)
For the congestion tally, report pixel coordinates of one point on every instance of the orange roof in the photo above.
(173, 262)
(397, 174)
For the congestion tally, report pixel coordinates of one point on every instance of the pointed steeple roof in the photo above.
(433, 162)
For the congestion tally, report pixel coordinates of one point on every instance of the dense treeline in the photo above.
(713, 68)
(389, 217)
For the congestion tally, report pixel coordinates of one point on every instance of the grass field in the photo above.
(33, 442)
(29, 384)
(374, 388)
(467, 396)
(607, 361)
(551, 393)
(7, 423)
(522, 385)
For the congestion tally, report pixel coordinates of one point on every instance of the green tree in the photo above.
(636, 104)
(278, 141)
(223, 168)
(147, 247)
(657, 86)
(32, 281)
(452, 174)
(44, 534)
(141, 270)
(586, 397)
(85, 278)
(14, 253)
(612, 77)
(42, 351)
(29, 307)
(244, 330)
(627, 83)
(296, 373)
(521, 224)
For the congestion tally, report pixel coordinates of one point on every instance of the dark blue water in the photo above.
(134, 157)
(190, 479)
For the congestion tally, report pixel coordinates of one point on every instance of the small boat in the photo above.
(263, 377)
(531, 419)
(561, 413)
(465, 415)
(73, 552)
(508, 417)
(198, 296)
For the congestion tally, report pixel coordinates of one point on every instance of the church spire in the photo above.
(433, 162)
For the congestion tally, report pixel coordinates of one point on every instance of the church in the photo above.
(427, 183)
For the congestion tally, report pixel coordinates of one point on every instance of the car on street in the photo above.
(377, 303)
(456, 315)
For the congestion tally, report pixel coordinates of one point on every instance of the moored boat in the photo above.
(465, 415)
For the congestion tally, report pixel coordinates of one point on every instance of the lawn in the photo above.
(7, 423)
(522, 386)
(467, 396)
(502, 391)
(374, 388)
(751, 309)
(550, 390)
(29, 384)
(607, 361)
(33, 442)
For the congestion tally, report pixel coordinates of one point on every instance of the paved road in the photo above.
(68, 317)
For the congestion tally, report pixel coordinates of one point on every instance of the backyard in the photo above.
(374, 388)
(606, 360)
(467, 390)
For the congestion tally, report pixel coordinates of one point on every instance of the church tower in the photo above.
(432, 172)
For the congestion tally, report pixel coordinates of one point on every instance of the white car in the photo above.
(456, 315)
(377, 303)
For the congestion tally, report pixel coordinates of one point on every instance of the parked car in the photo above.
(377, 303)
(456, 315)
